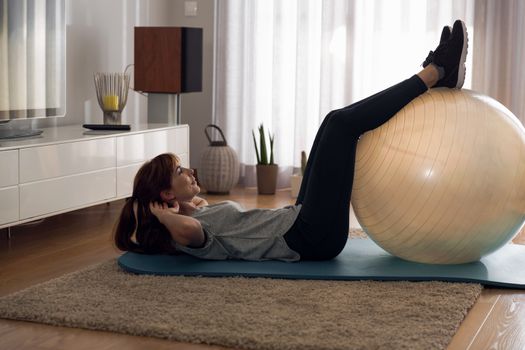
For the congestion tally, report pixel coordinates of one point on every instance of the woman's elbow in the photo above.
(194, 234)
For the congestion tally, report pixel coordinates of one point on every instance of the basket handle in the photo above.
(215, 143)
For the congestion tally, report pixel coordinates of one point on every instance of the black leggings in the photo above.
(320, 231)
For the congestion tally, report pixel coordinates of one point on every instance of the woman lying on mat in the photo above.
(164, 215)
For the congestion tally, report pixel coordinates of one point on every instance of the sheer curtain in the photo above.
(499, 53)
(286, 64)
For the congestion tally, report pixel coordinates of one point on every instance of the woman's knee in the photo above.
(347, 122)
(335, 123)
(330, 114)
(342, 118)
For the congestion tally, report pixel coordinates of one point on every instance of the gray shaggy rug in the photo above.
(250, 313)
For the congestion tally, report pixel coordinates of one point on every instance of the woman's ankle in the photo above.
(429, 75)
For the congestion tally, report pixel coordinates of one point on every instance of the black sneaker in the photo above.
(445, 35)
(451, 56)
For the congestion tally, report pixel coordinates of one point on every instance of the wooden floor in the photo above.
(64, 243)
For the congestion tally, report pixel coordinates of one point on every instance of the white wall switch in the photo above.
(190, 8)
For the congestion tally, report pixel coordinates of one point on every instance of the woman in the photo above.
(164, 215)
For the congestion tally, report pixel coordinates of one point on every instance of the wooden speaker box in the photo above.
(168, 59)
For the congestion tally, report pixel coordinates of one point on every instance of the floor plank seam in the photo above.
(483, 323)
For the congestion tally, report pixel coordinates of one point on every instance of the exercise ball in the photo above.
(443, 181)
(220, 166)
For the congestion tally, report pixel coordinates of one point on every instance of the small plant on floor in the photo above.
(266, 169)
(262, 157)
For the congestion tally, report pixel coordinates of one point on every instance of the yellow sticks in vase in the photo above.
(110, 102)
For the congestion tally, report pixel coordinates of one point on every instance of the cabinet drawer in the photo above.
(126, 175)
(8, 204)
(70, 192)
(139, 148)
(9, 168)
(38, 163)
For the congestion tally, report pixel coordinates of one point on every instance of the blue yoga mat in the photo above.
(361, 259)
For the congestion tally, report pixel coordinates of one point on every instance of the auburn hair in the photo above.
(151, 237)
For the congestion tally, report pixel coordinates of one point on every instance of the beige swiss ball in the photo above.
(443, 181)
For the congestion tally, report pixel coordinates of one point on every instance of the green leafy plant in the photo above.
(304, 160)
(262, 156)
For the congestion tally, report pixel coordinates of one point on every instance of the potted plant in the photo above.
(296, 179)
(266, 169)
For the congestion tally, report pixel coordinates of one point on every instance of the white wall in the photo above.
(100, 39)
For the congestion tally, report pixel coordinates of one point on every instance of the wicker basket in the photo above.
(219, 171)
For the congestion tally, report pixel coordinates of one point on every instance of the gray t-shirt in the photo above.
(235, 233)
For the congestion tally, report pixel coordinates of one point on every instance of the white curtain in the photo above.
(499, 54)
(32, 51)
(286, 64)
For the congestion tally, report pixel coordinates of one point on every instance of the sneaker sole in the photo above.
(461, 68)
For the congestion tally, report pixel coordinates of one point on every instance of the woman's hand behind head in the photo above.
(161, 209)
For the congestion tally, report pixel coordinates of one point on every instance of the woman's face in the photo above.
(183, 184)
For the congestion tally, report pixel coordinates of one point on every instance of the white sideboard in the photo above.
(70, 167)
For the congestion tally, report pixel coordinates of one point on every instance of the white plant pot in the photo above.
(295, 182)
